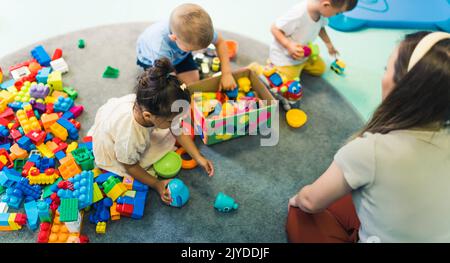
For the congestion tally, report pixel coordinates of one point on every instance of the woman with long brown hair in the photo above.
(391, 182)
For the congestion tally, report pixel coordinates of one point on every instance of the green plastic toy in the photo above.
(111, 73)
(81, 43)
(169, 165)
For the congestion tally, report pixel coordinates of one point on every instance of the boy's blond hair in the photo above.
(192, 25)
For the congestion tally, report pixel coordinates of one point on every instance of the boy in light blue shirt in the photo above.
(189, 28)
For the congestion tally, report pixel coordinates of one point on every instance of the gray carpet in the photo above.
(260, 178)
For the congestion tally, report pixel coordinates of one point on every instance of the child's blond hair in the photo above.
(192, 25)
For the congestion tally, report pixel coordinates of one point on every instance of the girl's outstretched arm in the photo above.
(188, 144)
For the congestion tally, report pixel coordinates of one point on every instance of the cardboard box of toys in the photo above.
(220, 116)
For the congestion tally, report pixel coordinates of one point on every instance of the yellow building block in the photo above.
(72, 146)
(42, 178)
(13, 225)
(7, 96)
(100, 228)
(59, 131)
(45, 151)
(96, 172)
(50, 99)
(117, 191)
(28, 124)
(97, 194)
(55, 80)
(12, 89)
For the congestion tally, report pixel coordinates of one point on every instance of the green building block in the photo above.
(81, 43)
(111, 72)
(2, 189)
(19, 164)
(48, 189)
(109, 184)
(68, 210)
(73, 94)
(84, 158)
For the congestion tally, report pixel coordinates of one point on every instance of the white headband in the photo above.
(425, 45)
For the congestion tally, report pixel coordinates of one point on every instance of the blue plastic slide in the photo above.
(416, 14)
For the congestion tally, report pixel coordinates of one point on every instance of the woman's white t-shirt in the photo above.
(401, 183)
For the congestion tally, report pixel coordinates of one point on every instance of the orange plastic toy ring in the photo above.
(186, 164)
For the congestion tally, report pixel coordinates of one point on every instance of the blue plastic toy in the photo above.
(41, 56)
(179, 192)
(225, 203)
(232, 94)
(417, 14)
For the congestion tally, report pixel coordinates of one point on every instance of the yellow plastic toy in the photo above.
(245, 85)
(296, 118)
(100, 228)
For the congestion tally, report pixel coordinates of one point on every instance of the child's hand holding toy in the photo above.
(295, 50)
(163, 191)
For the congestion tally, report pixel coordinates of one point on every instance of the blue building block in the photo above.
(103, 177)
(60, 155)
(28, 190)
(71, 129)
(42, 75)
(102, 211)
(138, 186)
(46, 163)
(62, 104)
(4, 219)
(4, 132)
(5, 146)
(276, 79)
(41, 56)
(49, 137)
(232, 94)
(44, 211)
(32, 212)
(35, 158)
(13, 197)
(88, 145)
(15, 105)
(25, 143)
(8, 179)
(12, 172)
(7, 83)
(84, 188)
(68, 115)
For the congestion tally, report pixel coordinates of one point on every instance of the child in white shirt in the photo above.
(301, 25)
(132, 132)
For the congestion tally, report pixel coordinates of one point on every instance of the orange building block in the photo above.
(113, 211)
(48, 120)
(59, 232)
(17, 152)
(68, 168)
(57, 94)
